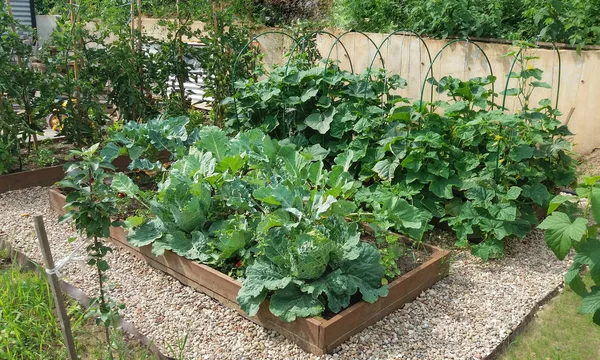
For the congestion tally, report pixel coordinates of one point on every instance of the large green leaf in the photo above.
(291, 302)
(190, 217)
(386, 168)
(110, 152)
(537, 192)
(334, 286)
(250, 303)
(401, 213)
(588, 254)
(560, 232)
(595, 202)
(521, 152)
(513, 193)
(231, 241)
(503, 211)
(145, 234)
(180, 243)
(265, 275)
(261, 277)
(591, 302)
(199, 247)
(481, 196)
(309, 93)
(275, 195)
(556, 202)
(215, 141)
(442, 187)
(346, 236)
(295, 163)
(123, 184)
(489, 248)
(320, 122)
(365, 273)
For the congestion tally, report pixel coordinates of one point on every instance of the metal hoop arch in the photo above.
(430, 70)
(338, 39)
(555, 48)
(237, 59)
(311, 34)
(379, 52)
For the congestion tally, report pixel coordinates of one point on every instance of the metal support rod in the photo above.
(59, 302)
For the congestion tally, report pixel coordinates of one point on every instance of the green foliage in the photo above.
(144, 142)
(481, 170)
(90, 204)
(237, 203)
(225, 35)
(277, 12)
(373, 16)
(460, 18)
(312, 107)
(567, 21)
(29, 329)
(131, 75)
(310, 266)
(7, 157)
(43, 157)
(18, 85)
(568, 227)
(76, 81)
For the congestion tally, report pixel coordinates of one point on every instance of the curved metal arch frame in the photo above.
(338, 39)
(512, 66)
(430, 70)
(516, 57)
(311, 34)
(237, 59)
(379, 52)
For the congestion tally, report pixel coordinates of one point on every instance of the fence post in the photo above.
(65, 324)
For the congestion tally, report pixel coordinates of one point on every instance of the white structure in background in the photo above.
(194, 86)
(23, 11)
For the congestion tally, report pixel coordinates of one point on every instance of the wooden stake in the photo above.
(65, 324)
(12, 26)
(73, 22)
(180, 53)
(132, 24)
(139, 25)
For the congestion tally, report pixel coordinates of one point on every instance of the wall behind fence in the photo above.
(406, 56)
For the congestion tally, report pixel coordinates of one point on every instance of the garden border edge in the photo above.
(24, 262)
(315, 335)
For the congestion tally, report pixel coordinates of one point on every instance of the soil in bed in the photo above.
(49, 153)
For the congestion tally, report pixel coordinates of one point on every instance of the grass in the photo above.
(558, 332)
(29, 328)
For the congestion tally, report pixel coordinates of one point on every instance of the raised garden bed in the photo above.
(316, 335)
(49, 175)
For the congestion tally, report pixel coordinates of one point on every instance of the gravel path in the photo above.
(464, 316)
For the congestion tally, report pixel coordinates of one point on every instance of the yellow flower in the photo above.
(500, 161)
(498, 138)
(529, 67)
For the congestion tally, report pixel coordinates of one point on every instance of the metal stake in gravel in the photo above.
(65, 324)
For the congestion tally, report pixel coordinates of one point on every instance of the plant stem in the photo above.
(97, 245)
(98, 256)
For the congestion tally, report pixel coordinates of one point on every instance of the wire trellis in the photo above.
(299, 45)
